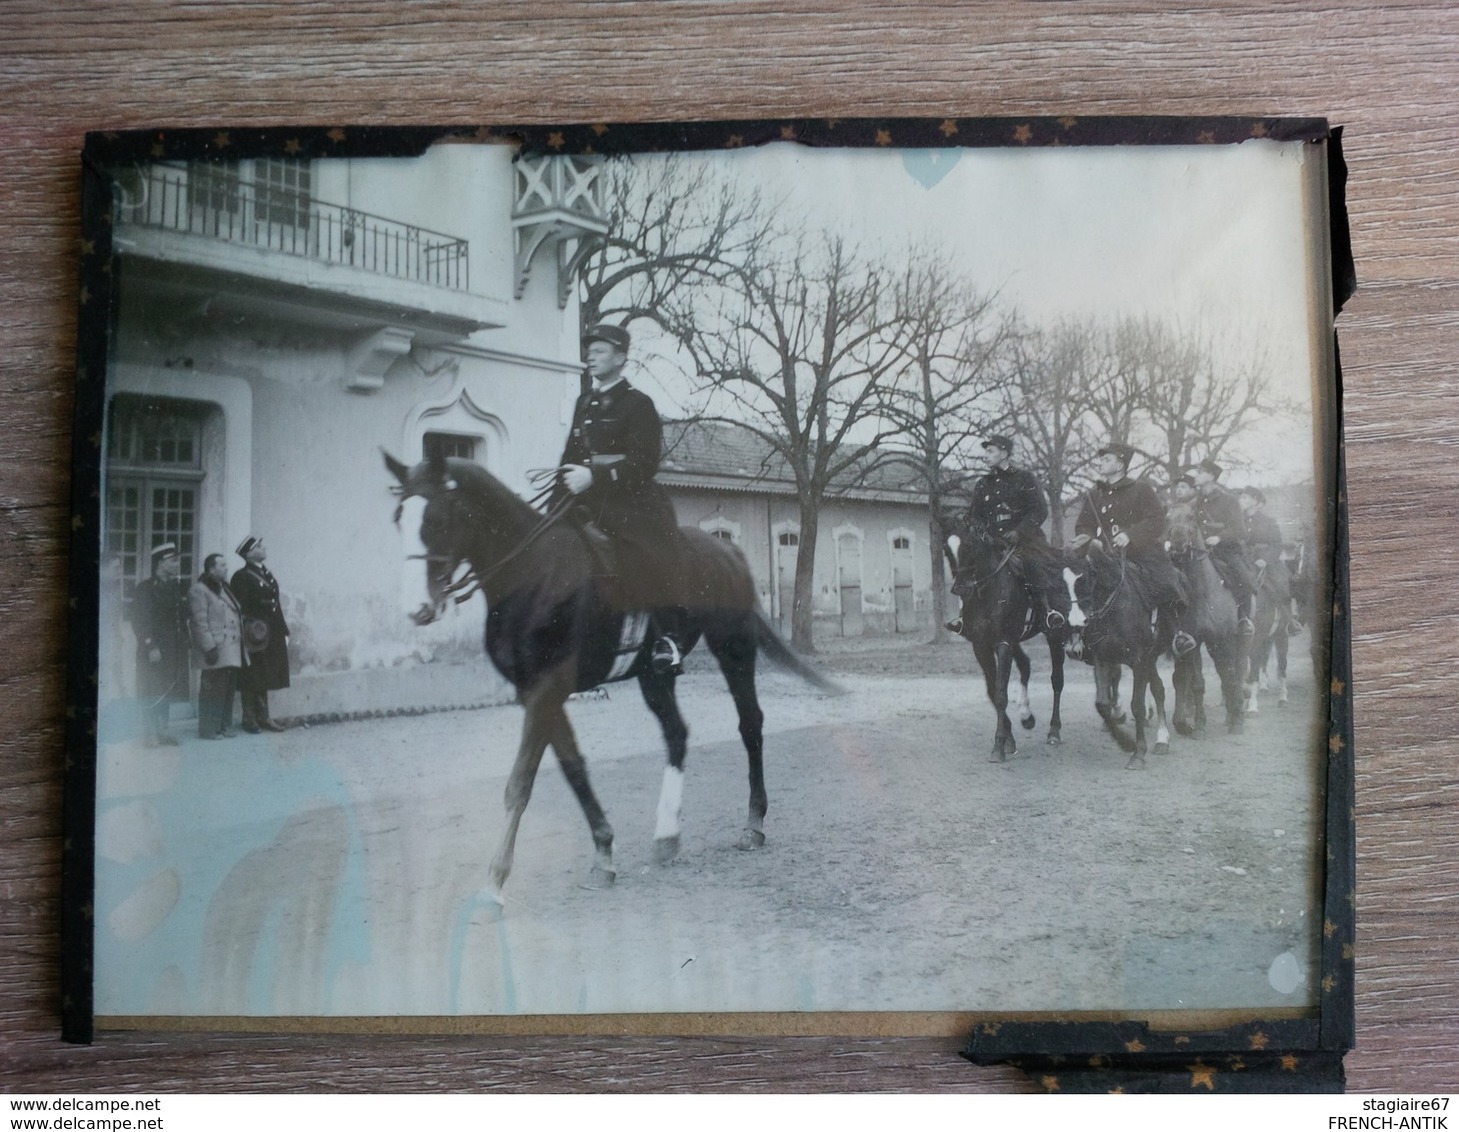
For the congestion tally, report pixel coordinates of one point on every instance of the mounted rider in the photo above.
(1009, 507)
(1125, 515)
(608, 463)
(1219, 517)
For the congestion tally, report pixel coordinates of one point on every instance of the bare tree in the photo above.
(675, 226)
(1056, 390)
(943, 400)
(797, 349)
(1197, 398)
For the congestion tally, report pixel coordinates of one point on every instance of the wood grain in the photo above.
(1387, 73)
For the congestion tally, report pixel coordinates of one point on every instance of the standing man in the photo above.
(1009, 506)
(159, 619)
(216, 623)
(609, 463)
(1218, 513)
(265, 635)
(1124, 515)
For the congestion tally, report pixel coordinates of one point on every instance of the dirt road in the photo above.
(335, 869)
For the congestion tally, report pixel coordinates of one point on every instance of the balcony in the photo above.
(214, 202)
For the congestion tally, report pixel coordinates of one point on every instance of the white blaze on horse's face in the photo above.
(416, 599)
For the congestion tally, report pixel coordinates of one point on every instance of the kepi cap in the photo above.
(605, 332)
(163, 550)
(998, 440)
(246, 545)
(1123, 451)
(1210, 467)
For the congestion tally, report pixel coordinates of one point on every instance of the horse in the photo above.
(552, 629)
(1212, 618)
(1272, 620)
(997, 617)
(1120, 629)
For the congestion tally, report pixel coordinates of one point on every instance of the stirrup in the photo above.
(1055, 620)
(666, 660)
(1183, 643)
(954, 626)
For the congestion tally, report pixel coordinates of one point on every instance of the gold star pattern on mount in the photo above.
(948, 127)
(1206, 137)
(336, 135)
(1289, 1062)
(221, 139)
(158, 150)
(1259, 130)
(1347, 951)
(1328, 982)
(1203, 1075)
(85, 296)
(292, 146)
(88, 247)
(1023, 134)
(883, 137)
(76, 523)
(1258, 1040)
(1050, 1082)
(1336, 687)
(1068, 123)
(600, 128)
(1329, 929)
(787, 133)
(1135, 1046)
(734, 141)
(1336, 745)
(554, 139)
(990, 1028)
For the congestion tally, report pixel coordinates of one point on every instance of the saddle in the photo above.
(599, 545)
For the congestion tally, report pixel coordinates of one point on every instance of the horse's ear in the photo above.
(397, 469)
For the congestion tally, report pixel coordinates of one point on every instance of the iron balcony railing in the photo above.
(214, 201)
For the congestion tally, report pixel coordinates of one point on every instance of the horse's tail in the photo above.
(780, 653)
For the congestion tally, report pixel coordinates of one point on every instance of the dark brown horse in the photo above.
(553, 628)
(1120, 630)
(997, 617)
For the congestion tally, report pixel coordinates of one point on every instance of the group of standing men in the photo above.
(1125, 515)
(234, 627)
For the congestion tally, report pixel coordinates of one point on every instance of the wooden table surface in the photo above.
(1386, 72)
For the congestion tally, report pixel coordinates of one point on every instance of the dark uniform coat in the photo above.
(616, 433)
(159, 620)
(1132, 508)
(1009, 501)
(257, 592)
(1264, 538)
(1218, 514)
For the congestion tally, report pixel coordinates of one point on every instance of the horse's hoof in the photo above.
(1030, 721)
(750, 839)
(666, 849)
(1236, 727)
(600, 877)
(1162, 748)
(1053, 741)
(491, 897)
(998, 755)
(1137, 762)
(1184, 729)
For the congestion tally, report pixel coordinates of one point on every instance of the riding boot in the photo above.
(1181, 642)
(600, 547)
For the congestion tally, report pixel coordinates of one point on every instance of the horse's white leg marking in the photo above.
(414, 591)
(671, 803)
(1162, 735)
(1281, 689)
(1251, 703)
(1076, 615)
(1024, 709)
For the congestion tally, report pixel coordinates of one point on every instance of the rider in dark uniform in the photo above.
(1009, 506)
(1124, 514)
(1263, 534)
(159, 618)
(1221, 522)
(609, 463)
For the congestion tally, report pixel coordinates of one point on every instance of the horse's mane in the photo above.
(480, 483)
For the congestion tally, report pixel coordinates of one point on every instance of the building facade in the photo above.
(873, 573)
(282, 322)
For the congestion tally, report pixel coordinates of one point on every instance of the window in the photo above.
(901, 542)
(444, 444)
(212, 187)
(154, 476)
(789, 538)
(722, 532)
(282, 192)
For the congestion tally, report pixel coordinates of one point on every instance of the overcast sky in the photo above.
(1208, 238)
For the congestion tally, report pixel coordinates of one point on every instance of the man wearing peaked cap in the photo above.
(1124, 516)
(608, 464)
(1009, 506)
(265, 635)
(159, 620)
(1223, 526)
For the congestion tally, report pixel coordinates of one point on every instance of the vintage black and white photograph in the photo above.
(771, 580)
